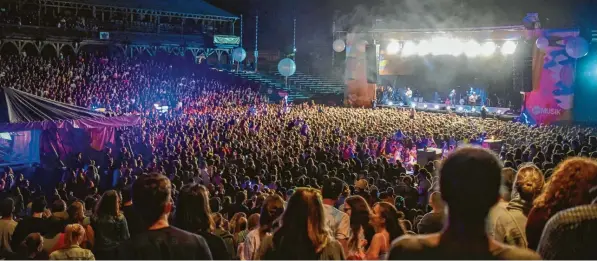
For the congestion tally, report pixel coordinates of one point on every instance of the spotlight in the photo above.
(472, 48)
(414, 105)
(473, 110)
(488, 49)
(390, 103)
(499, 111)
(401, 104)
(425, 106)
(509, 48)
(459, 109)
(393, 47)
(409, 48)
(437, 107)
(448, 108)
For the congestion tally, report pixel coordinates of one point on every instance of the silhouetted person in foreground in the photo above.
(469, 184)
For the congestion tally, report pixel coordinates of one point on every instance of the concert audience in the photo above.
(568, 187)
(470, 180)
(152, 195)
(220, 151)
(193, 215)
(572, 225)
(302, 233)
(510, 223)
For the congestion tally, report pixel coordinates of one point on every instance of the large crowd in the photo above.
(223, 174)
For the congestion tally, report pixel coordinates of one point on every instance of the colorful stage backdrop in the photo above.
(553, 80)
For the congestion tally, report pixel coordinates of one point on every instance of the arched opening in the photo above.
(67, 52)
(189, 57)
(30, 50)
(95, 50)
(212, 59)
(9, 48)
(115, 51)
(226, 60)
(48, 51)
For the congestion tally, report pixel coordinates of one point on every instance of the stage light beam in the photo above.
(409, 48)
(509, 48)
(424, 48)
(488, 49)
(472, 48)
(393, 47)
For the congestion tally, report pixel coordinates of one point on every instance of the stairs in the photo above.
(313, 84)
(273, 82)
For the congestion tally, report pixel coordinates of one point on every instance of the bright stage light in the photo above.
(488, 49)
(414, 105)
(509, 48)
(473, 110)
(437, 107)
(456, 47)
(425, 106)
(401, 104)
(440, 46)
(393, 47)
(409, 48)
(499, 111)
(472, 48)
(459, 109)
(424, 48)
(390, 103)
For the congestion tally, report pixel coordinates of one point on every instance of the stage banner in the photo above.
(554, 72)
(358, 92)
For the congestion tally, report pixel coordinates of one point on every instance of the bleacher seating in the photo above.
(275, 83)
(313, 84)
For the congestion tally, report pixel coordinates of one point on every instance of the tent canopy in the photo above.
(24, 111)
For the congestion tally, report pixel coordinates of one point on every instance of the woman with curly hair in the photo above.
(568, 187)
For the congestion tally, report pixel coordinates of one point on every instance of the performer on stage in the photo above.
(472, 99)
(408, 94)
(452, 96)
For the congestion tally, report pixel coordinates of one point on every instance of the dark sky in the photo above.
(314, 17)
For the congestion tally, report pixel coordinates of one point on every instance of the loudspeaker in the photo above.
(527, 76)
(371, 51)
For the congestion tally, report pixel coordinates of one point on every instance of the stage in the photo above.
(466, 110)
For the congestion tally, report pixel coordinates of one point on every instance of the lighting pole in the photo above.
(256, 41)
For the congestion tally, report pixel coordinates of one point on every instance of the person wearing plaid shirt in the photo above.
(571, 234)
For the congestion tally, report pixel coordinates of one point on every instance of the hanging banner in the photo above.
(226, 39)
(551, 100)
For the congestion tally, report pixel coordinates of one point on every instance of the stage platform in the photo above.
(468, 110)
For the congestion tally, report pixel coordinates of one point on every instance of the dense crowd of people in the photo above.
(223, 174)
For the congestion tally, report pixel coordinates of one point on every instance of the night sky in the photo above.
(314, 18)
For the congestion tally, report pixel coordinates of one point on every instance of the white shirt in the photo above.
(205, 177)
(337, 222)
(251, 245)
